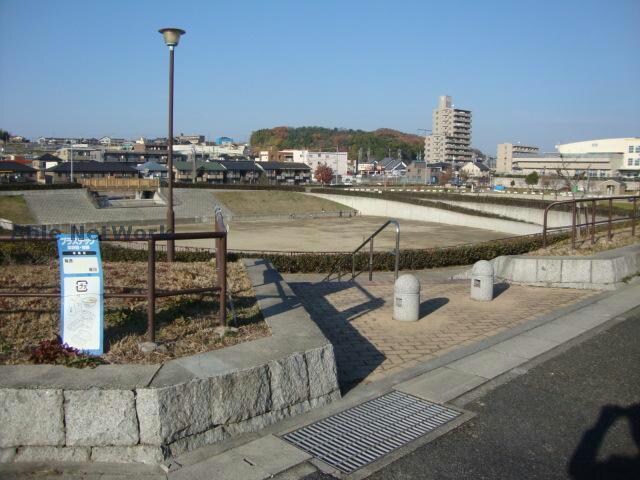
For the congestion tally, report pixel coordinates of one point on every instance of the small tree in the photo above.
(323, 174)
(513, 183)
(532, 179)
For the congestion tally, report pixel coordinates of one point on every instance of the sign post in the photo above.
(81, 306)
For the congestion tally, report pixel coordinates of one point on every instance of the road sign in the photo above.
(81, 305)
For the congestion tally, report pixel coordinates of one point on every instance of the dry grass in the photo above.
(621, 238)
(261, 202)
(14, 208)
(185, 325)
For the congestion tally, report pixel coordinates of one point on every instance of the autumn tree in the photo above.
(323, 174)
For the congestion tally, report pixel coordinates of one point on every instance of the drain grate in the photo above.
(362, 434)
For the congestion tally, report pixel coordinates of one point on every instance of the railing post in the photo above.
(635, 213)
(151, 290)
(573, 225)
(371, 259)
(593, 221)
(544, 226)
(610, 218)
(221, 268)
(353, 266)
(397, 266)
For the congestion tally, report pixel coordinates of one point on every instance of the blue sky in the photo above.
(538, 72)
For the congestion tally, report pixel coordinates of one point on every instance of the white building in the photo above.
(336, 160)
(213, 151)
(628, 148)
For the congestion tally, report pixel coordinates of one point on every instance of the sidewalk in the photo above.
(500, 352)
(441, 379)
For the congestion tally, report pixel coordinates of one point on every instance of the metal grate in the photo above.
(362, 434)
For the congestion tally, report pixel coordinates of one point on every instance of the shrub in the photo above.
(38, 186)
(55, 352)
(239, 186)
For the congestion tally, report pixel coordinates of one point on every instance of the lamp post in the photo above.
(171, 39)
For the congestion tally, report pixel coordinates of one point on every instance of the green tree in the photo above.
(532, 179)
(4, 135)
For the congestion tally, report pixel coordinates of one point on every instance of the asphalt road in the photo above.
(574, 416)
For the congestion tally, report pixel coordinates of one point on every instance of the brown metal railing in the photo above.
(151, 293)
(589, 225)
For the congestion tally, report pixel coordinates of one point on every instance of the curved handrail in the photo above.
(573, 202)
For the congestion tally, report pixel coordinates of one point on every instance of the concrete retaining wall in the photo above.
(392, 209)
(146, 413)
(603, 271)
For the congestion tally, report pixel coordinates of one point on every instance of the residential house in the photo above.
(241, 171)
(420, 172)
(152, 170)
(475, 169)
(42, 163)
(207, 172)
(393, 167)
(61, 173)
(288, 173)
(16, 172)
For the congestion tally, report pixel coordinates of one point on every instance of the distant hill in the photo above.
(380, 142)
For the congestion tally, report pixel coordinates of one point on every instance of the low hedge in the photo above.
(30, 252)
(239, 186)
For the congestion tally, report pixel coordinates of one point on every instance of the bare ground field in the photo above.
(338, 234)
(265, 202)
(185, 325)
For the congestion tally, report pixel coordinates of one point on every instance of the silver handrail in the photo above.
(370, 242)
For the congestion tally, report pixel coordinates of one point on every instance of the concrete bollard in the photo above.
(482, 281)
(406, 299)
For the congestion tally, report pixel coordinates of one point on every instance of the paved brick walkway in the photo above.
(368, 343)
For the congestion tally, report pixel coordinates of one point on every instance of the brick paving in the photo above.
(357, 319)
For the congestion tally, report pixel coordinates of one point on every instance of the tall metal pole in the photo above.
(170, 213)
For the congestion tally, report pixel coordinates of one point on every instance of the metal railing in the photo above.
(369, 241)
(151, 293)
(590, 224)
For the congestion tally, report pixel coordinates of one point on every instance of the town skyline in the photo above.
(522, 72)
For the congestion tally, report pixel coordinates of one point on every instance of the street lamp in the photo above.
(171, 39)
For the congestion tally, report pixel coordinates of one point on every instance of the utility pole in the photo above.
(71, 156)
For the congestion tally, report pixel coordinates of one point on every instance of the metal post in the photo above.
(593, 221)
(610, 217)
(221, 267)
(371, 260)
(573, 225)
(397, 265)
(635, 214)
(170, 213)
(151, 291)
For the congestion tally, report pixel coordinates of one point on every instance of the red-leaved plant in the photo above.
(54, 351)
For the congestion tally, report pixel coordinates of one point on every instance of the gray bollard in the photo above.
(406, 299)
(482, 281)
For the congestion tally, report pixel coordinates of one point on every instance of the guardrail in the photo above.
(115, 182)
(590, 225)
(151, 293)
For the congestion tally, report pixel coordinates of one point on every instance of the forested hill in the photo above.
(380, 141)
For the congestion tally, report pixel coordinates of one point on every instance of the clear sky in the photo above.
(538, 72)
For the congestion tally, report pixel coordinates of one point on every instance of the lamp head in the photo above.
(171, 36)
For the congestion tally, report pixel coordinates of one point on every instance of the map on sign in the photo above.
(81, 310)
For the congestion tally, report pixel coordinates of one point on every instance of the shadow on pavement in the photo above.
(356, 357)
(429, 306)
(584, 464)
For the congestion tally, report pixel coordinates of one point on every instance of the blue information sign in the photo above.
(81, 306)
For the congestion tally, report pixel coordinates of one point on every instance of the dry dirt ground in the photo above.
(260, 202)
(338, 234)
(185, 325)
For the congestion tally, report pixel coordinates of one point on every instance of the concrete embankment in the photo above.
(406, 211)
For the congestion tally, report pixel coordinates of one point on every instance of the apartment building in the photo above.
(336, 160)
(450, 139)
(506, 151)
